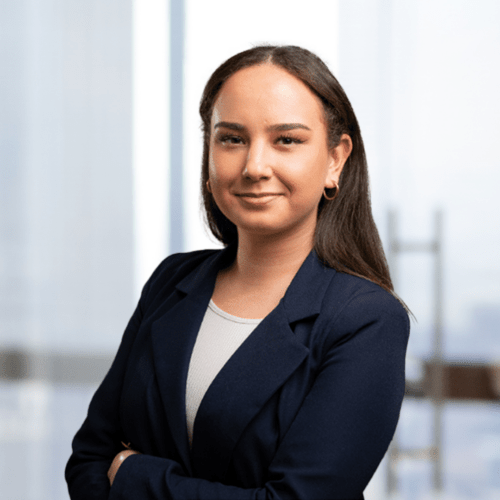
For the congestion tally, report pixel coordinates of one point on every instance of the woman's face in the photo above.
(269, 161)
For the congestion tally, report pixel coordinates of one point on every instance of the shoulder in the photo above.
(175, 268)
(352, 304)
(353, 291)
(183, 263)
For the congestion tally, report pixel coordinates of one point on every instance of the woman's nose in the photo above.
(257, 165)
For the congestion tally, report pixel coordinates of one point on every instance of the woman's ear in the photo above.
(338, 157)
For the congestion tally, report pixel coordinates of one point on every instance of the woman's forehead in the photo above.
(266, 92)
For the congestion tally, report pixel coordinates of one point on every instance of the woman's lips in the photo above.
(258, 198)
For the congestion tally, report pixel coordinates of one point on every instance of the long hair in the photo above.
(346, 237)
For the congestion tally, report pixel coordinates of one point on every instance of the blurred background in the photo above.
(100, 152)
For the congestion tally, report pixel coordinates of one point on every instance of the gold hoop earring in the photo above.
(208, 186)
(330, 198)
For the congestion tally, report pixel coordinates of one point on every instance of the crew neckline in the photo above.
(230, 317)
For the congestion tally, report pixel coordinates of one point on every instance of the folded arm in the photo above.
(338, 437)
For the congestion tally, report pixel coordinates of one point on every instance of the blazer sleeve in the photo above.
(341, 432)
(98, 440)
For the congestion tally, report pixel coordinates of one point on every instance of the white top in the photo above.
(219, 337)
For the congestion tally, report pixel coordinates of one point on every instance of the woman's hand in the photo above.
(117, 461)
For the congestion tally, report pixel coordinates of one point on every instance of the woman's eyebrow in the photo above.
(230, 125)
(280, 127)
(287, 126)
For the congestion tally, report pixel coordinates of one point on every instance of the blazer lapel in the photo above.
(261, 365)
(173, 337)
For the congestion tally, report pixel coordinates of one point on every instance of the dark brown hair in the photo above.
(346, 237)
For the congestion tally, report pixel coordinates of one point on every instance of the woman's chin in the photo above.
(272, 230)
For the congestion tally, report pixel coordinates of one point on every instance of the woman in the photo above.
(274, 368)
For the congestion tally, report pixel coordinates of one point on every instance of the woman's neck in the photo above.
(263, 259)
(261, 273)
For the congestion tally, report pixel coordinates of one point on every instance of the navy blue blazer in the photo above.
(304, 409)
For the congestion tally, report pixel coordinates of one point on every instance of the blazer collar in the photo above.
(312, 276)
(245, 383)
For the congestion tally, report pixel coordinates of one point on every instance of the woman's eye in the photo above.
(230, 139)
(289, 140)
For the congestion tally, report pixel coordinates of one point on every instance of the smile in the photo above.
(258, 198)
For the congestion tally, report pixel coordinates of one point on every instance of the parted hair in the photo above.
(346, 237)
